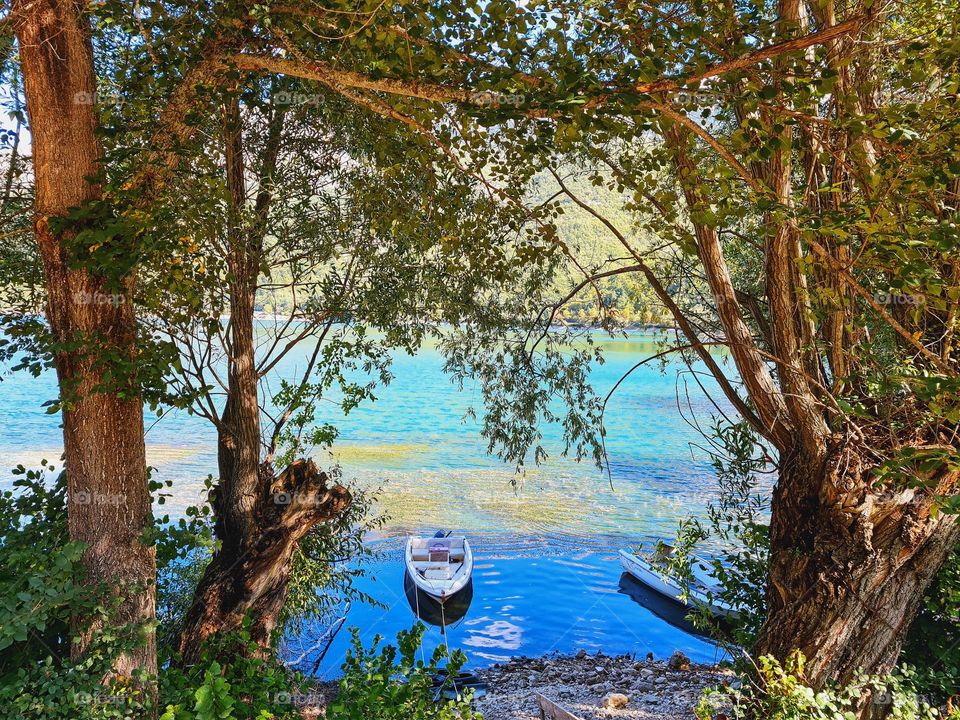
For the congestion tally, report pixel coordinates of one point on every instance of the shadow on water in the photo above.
(442, 615)
(671, 611)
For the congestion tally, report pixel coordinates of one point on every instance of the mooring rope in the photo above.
(416, 595)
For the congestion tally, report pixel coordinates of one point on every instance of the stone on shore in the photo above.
(678, 661)
(615, 701)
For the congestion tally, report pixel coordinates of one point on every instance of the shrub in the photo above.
(246, 687)
(41, 589)
(389, 683)
(778, 692)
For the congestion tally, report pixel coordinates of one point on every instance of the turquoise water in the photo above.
(547, 576)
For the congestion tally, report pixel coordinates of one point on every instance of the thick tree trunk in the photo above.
(849, 563)
(92, 320)
(250, 576)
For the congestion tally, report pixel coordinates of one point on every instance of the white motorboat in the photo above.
(439, 566)
(703, 587)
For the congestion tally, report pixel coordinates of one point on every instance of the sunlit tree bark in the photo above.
(92, 322)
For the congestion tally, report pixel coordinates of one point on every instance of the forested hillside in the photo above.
(627, 300)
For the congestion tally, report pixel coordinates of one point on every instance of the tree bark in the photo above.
(849, 563)
(249, 574)
(756, 376)
(92, 323)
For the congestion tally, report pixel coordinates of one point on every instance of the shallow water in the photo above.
(547, 575)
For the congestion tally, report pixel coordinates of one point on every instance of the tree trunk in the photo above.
(259, 518)
(92, 321)
(849, 563)
(249, 574)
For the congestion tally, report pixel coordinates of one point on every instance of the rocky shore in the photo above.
(597, 686)
(592, 687)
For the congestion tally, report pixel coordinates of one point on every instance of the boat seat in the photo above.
(437, 572)
(426, 565)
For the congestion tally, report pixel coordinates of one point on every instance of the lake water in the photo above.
(547, 576)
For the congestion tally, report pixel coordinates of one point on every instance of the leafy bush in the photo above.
(389, 683)
(41, 589)
(67, 690)
(245, 688)
(40, 570)
(933, 640)
(778, 692)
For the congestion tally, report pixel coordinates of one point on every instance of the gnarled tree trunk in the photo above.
(249, 572)
(849, 563)
(92, 320)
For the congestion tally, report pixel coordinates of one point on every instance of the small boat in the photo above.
(703, 589)
(440, 566)
(667, 609)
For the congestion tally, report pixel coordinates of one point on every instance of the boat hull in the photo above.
(431, 610)
(644, 572)
(442, 594)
